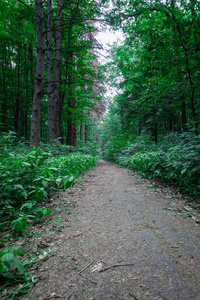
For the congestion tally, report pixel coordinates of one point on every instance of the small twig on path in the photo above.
(69, 296)
(86, 267)
(114, 266)
(80, 272)
(64, 240)
(87, 278)
(84, 275)
(53, 295)
(133, 296)
(159, 293)
(131, 214)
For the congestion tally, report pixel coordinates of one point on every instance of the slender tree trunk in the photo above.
(183, 106)
(69, 121)
(51, 107)
(16, 123)
(156, 133)
(72, 110)
(26, 94)
(39, 81)
(82, 131)
(170, 123)
(183, 114)
(4, 105)
(31, 57)
(75, 122)
(57, 77)
(139, 127)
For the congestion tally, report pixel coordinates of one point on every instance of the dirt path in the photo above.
(117, 221)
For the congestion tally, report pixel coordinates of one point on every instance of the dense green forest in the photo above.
(55, 119)
(153, 121)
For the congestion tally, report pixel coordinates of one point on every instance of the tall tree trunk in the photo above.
(57, 76)
(71, 123)
(39, 81)
(75, 122)
(4, 105)
(183, 106)
(31, 58)
(51, 107)
(72, 109)
(25, 125)
(82, 132)
(16, 123)
(183, 114)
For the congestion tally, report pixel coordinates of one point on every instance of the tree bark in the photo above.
(50, 86)
(82, 132)
(4, 105)
(72, 110)
(39, 81)
(183, 114)
(57, 76)
(17, 101)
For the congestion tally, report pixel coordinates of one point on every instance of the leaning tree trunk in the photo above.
(39, 81)
(57, 76)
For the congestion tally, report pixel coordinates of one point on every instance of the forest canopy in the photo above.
(153, 120)
(49, 81)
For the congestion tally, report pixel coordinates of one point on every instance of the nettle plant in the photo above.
(28, 175)
(10, 265)
(178, 165)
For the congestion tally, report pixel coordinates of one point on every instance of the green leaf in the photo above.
(68, 181)
(19, 253)
(7, 259)
(10, 276)
(183, 171)
(197, 168)
(45, 183)
(18, 264)
(3, 268)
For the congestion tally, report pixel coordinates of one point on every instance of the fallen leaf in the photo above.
(74, 258)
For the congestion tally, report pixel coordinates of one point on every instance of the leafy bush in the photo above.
(91, 148)
(179, 166)
(125, 145)
(28, 175)
(33, 174)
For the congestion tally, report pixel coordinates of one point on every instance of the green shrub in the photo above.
(28, 175)
(178, 166)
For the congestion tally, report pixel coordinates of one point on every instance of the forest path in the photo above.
(118, 221)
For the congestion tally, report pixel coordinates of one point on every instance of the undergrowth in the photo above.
(174, 160)
(27, 176)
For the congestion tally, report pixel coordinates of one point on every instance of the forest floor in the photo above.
(123, 238)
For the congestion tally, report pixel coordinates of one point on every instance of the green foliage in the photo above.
(8, 261)
(28, 175)
(91, 148)
(122, 144)
(178, 165)
(18, 50)
(20, 223)
(155, 68)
